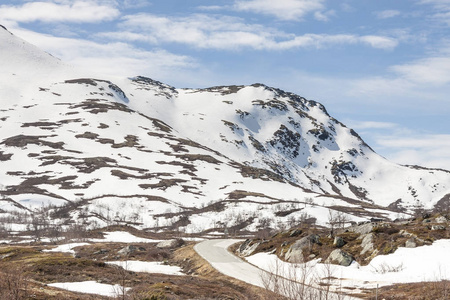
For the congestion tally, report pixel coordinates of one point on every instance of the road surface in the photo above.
(217, 254)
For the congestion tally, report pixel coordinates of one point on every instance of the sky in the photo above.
(381, 67)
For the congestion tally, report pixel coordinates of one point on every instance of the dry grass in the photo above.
(436, 290)
(33, 269)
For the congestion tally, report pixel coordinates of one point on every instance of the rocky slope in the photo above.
(134, 150)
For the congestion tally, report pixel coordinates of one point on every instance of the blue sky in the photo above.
(381, 67)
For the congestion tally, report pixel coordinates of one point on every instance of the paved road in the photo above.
(217, 254)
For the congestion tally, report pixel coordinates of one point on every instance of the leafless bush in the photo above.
(76, 232)
(337, 219)
(441, 285)
(121, 290)
(300, 281)
(13, 284)
(263, 234)
(385, 268)
(4, 232)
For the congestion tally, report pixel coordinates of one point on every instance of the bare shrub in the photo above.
(300, 281)
(385, 268)
(13, 284)
(124, 274)
(76, 232)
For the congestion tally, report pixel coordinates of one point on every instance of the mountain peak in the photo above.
(3, 27)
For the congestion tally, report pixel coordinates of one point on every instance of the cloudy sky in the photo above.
(380, 66)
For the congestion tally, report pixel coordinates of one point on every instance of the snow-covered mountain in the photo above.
(118, 150)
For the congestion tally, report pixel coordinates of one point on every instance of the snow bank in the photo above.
(406, 265)
(90, 287)
(67, 248)
(122, 237)
(148, 267)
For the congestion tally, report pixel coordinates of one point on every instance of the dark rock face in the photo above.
(338, 242)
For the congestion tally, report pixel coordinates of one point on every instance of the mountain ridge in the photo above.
(136, 150)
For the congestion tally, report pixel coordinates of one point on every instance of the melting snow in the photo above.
(406, 265)
(67, 248)
(148, 267)
(122, 237)
(90, 287)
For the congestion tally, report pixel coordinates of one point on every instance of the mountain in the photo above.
(104, 150)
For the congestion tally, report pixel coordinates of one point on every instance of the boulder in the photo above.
(130, 249)
(367, 243)
(295, 232)
(438, 227)
(295, 252)
(101, 251)
(411, 243)
(441, 219)
(314, 238)
(339, 257)
(362, 229)
(173, 243)
(338, 242)
(247, 248)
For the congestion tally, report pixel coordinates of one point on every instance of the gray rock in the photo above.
(411, 243)
(247, 248)
(101, 251)
(295, 232)
(438, 227)
(314, 238)
(362, 229)
(130, 249)
(441, 219)
(295, 252)
(340, 257)
(173, 243)
(367, 243)
(338, 242)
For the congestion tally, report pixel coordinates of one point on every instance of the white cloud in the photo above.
(370, 125)
(381, 42)
(442, 8)
(136, 3)
(324, 16)
(404, 145)
(416, 82)
(424, 150)
(432, 70)
(211, 7)
(114, 59)
(437, 3)
(70, 12)
(386, 14)
(292, 10)
(229, 33)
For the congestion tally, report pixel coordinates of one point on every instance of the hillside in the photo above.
(101, 151)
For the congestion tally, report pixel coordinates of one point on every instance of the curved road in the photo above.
(217, 254)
